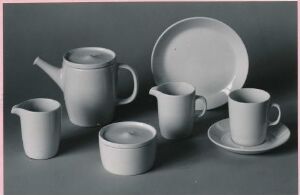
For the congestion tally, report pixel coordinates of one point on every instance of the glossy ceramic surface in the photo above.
(127, 134)
(90, 57)
(219, 134)
(40, 126)
(90, 88)
(249, 111)
(127, 148)
(176, 108)
(203, 52)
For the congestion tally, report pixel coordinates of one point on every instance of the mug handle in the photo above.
(198, 97)
(135, 85)
(278, 117)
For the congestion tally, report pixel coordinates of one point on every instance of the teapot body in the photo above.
(90, 94)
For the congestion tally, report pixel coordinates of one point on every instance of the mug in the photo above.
(248, 115)
(176, 108)
(40, 126)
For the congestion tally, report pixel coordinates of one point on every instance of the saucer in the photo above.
(219, 134)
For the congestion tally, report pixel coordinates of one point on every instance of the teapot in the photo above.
(88, 79)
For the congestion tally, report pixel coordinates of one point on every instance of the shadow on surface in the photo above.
(137, 109)
(76, 138)
(175, 152)
(290, 145)
(211, 116)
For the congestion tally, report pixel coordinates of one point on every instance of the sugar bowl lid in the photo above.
(127, 134)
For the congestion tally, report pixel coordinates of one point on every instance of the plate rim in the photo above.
(243, 81)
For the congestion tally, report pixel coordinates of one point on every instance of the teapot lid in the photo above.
(90, 57)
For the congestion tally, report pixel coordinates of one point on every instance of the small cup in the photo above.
(248, 115)
(176, 108)
(40, 126)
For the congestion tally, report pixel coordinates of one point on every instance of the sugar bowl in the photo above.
(127, 148)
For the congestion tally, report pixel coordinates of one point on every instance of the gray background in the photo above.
(190, 166)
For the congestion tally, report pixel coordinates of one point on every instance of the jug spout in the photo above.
(16, 110)
(154, 91)
(52, 71)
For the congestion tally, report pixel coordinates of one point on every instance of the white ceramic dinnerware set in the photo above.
(198, 64)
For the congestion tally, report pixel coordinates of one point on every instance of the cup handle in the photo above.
(198, 97)
(135, 85)
(272, 123)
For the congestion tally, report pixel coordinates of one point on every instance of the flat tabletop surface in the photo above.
(190, 166)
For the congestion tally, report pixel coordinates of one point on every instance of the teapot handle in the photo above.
(135, 85)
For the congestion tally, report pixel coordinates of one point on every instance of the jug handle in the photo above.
(278, 116)
(135, 85)
(201, 98)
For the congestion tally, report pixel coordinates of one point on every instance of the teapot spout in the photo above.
(52, 71)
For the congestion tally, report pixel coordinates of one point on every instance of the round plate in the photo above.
(203, 52)
(219, 134)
